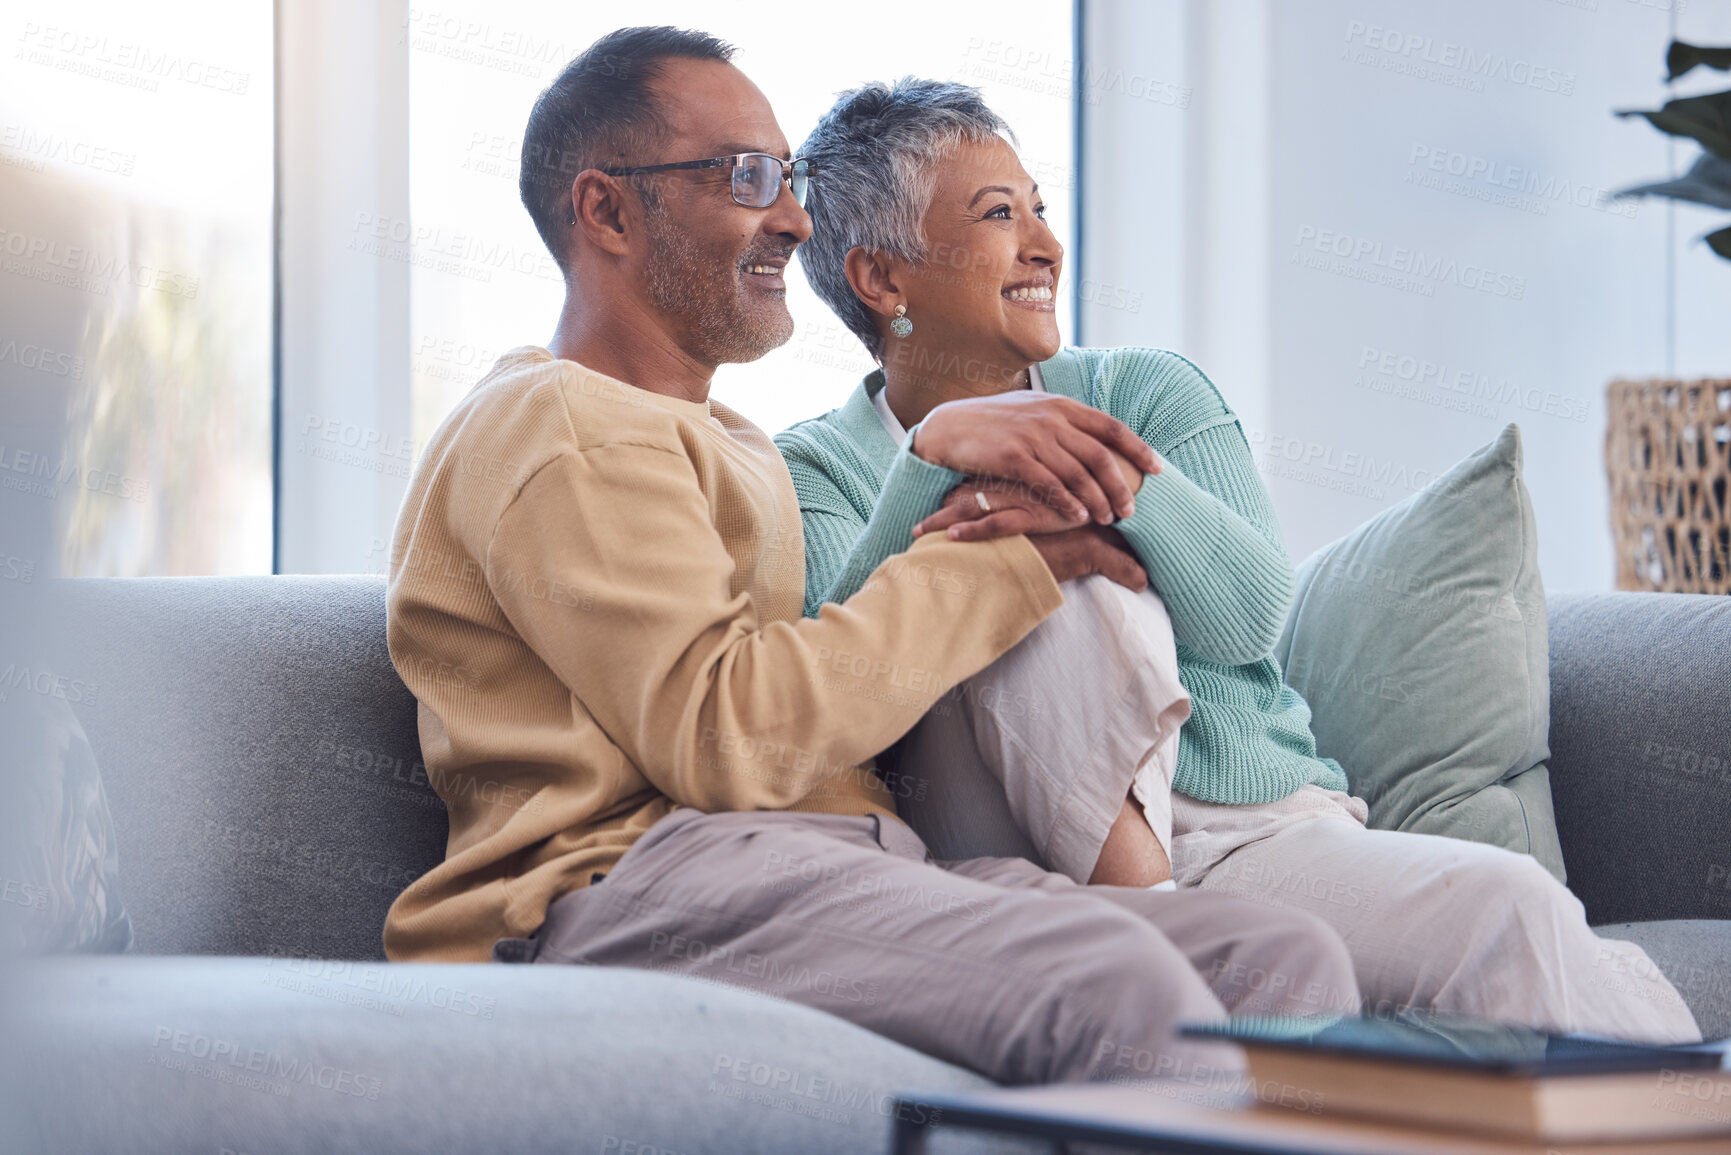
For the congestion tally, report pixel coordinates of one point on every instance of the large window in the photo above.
(487, 284)
(138, 149)
(135, 287)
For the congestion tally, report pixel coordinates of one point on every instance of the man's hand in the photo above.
(1090, 549)
(1060, 449)
(1010, 507)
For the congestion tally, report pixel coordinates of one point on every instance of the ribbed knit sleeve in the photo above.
(842, 548)
(1205, 530)
(1204, 527)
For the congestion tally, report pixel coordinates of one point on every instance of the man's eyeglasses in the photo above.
(757, 176)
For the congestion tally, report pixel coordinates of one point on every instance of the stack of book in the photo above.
(1487, 1079)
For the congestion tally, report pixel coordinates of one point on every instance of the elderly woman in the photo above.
(1165, 706)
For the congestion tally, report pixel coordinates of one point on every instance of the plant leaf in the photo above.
(1708, 182)
(1681, 58)
(1720, 242)
(1703, 118)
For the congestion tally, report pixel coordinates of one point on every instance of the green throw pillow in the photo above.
(1419, 641)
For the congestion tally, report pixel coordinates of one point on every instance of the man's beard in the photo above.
(718, 324)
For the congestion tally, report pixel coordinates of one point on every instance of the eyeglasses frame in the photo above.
(730, 162)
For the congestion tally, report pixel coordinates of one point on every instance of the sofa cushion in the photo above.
(161, 1055)
(260, 756)
(1418, 640)
(1641, 752)
(1695, 954)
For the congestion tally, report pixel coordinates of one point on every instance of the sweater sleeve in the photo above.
(679, 672)
(1205, 530)
(841, 548)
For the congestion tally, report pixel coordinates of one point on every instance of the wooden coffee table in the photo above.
(1140, 1118)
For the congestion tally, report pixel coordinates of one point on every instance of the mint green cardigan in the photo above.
(1204, 529)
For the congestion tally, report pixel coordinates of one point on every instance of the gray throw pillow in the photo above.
(1419, 641)
(58, 860)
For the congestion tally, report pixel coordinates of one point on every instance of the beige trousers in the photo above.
(1035, 755)
(992, 963)
(1017, 762)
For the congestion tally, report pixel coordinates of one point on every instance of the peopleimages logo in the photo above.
(1515, 186)
(1360, 474)
(1040, 69)
(43, 360)
(1444, 60)
(48, 476)
(259, 1060)
(25, 146)
(461, 254)
(45, 259)
(47, 683)
(1413, 270)
(136, 65)
(1463, 388)
(522, 51)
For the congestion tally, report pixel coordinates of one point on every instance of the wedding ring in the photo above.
(980, 499)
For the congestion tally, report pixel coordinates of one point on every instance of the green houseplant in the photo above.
(1705, 119)
(1668, 441)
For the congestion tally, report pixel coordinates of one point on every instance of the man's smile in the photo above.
(767, 274)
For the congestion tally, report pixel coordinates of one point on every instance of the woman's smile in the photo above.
(1036, 295)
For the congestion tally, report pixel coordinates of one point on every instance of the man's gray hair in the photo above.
(876, 154)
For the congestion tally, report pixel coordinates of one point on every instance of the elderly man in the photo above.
(650, 757)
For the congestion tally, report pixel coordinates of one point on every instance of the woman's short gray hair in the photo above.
(876, 153)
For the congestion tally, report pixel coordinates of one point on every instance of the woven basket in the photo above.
(1668, 453)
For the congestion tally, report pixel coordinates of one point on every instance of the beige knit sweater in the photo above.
(596, 595)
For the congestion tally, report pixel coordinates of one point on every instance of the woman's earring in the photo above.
(901, 326)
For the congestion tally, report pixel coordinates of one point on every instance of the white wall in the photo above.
(343, 176)
(1218, 218)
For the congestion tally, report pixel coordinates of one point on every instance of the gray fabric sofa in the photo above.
(261, 763)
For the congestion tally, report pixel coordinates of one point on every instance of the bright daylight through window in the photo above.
(482, 282)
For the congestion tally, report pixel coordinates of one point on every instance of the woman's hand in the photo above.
(1061, 451)
(1010, 507)
(1091, 549)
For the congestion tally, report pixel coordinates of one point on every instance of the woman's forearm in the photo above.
(1214, 554)
(913, 489)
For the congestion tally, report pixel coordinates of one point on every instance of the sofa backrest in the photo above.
(1641, 752)
(260, 758)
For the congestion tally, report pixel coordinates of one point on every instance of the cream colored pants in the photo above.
(1034, 756)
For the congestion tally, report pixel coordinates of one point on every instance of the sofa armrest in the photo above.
(164, 1055)
(1641, 752)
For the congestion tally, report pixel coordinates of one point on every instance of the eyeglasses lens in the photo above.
(757, 182)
